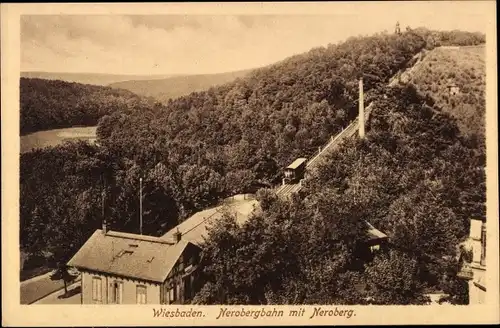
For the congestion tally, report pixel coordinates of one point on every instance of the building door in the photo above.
(187, 288)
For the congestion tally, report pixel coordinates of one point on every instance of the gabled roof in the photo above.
(129, 255)
(194, 228)
(296, 163)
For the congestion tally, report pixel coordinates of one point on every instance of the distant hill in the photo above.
(91, 78)
(53, 104)
(177, 86)
(455, 78)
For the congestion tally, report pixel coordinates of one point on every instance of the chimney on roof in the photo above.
(483, 244)
(177, 236)
(361, 110)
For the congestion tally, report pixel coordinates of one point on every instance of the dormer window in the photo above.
(124, 252)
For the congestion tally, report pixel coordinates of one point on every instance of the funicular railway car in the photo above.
(295, 171)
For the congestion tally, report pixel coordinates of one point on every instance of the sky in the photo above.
(203, 44)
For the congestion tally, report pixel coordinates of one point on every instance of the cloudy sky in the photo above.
(197, 44)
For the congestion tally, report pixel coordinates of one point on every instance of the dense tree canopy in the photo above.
(450, 38)
(413, 177)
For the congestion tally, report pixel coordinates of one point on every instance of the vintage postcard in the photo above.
(330, 163)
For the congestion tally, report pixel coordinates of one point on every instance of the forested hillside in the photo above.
(258, 124)
(463, 68)
(413, 177)
(450, 38)
(176, 86)
(52, 104)
(234, 138)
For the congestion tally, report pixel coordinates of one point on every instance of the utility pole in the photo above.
(361, 110)
(140, 205)
(103, 200)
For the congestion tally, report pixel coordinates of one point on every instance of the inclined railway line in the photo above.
(286, 190)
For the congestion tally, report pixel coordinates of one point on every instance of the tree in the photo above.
(393, 279)
(63, 273)
(266, 198)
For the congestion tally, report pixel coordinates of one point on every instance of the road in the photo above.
(38, 287)
(55, 298)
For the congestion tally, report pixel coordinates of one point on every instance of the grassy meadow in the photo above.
(463, 67)
(54, 137)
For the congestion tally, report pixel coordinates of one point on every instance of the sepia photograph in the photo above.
(292, 165)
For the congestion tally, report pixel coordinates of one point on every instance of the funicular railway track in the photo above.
(286, 190)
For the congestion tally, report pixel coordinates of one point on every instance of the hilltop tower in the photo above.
(361, 110)
(398, 29)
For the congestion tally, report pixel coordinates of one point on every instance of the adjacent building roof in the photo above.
(296, 163)
(152, 258)
(374, 234)
(130, 255)
(195, 227)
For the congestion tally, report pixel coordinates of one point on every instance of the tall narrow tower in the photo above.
(361, 117)
(398, 29)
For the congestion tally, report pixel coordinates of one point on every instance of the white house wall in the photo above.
(129, 289)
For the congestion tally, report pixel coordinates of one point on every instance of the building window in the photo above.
(117, 292)
(172, 293)
(141, 294)
(96, 289)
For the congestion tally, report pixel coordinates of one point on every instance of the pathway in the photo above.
(55, 297)
(39, 287)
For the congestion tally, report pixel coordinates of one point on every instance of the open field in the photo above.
(455, 78)
(54, 137)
